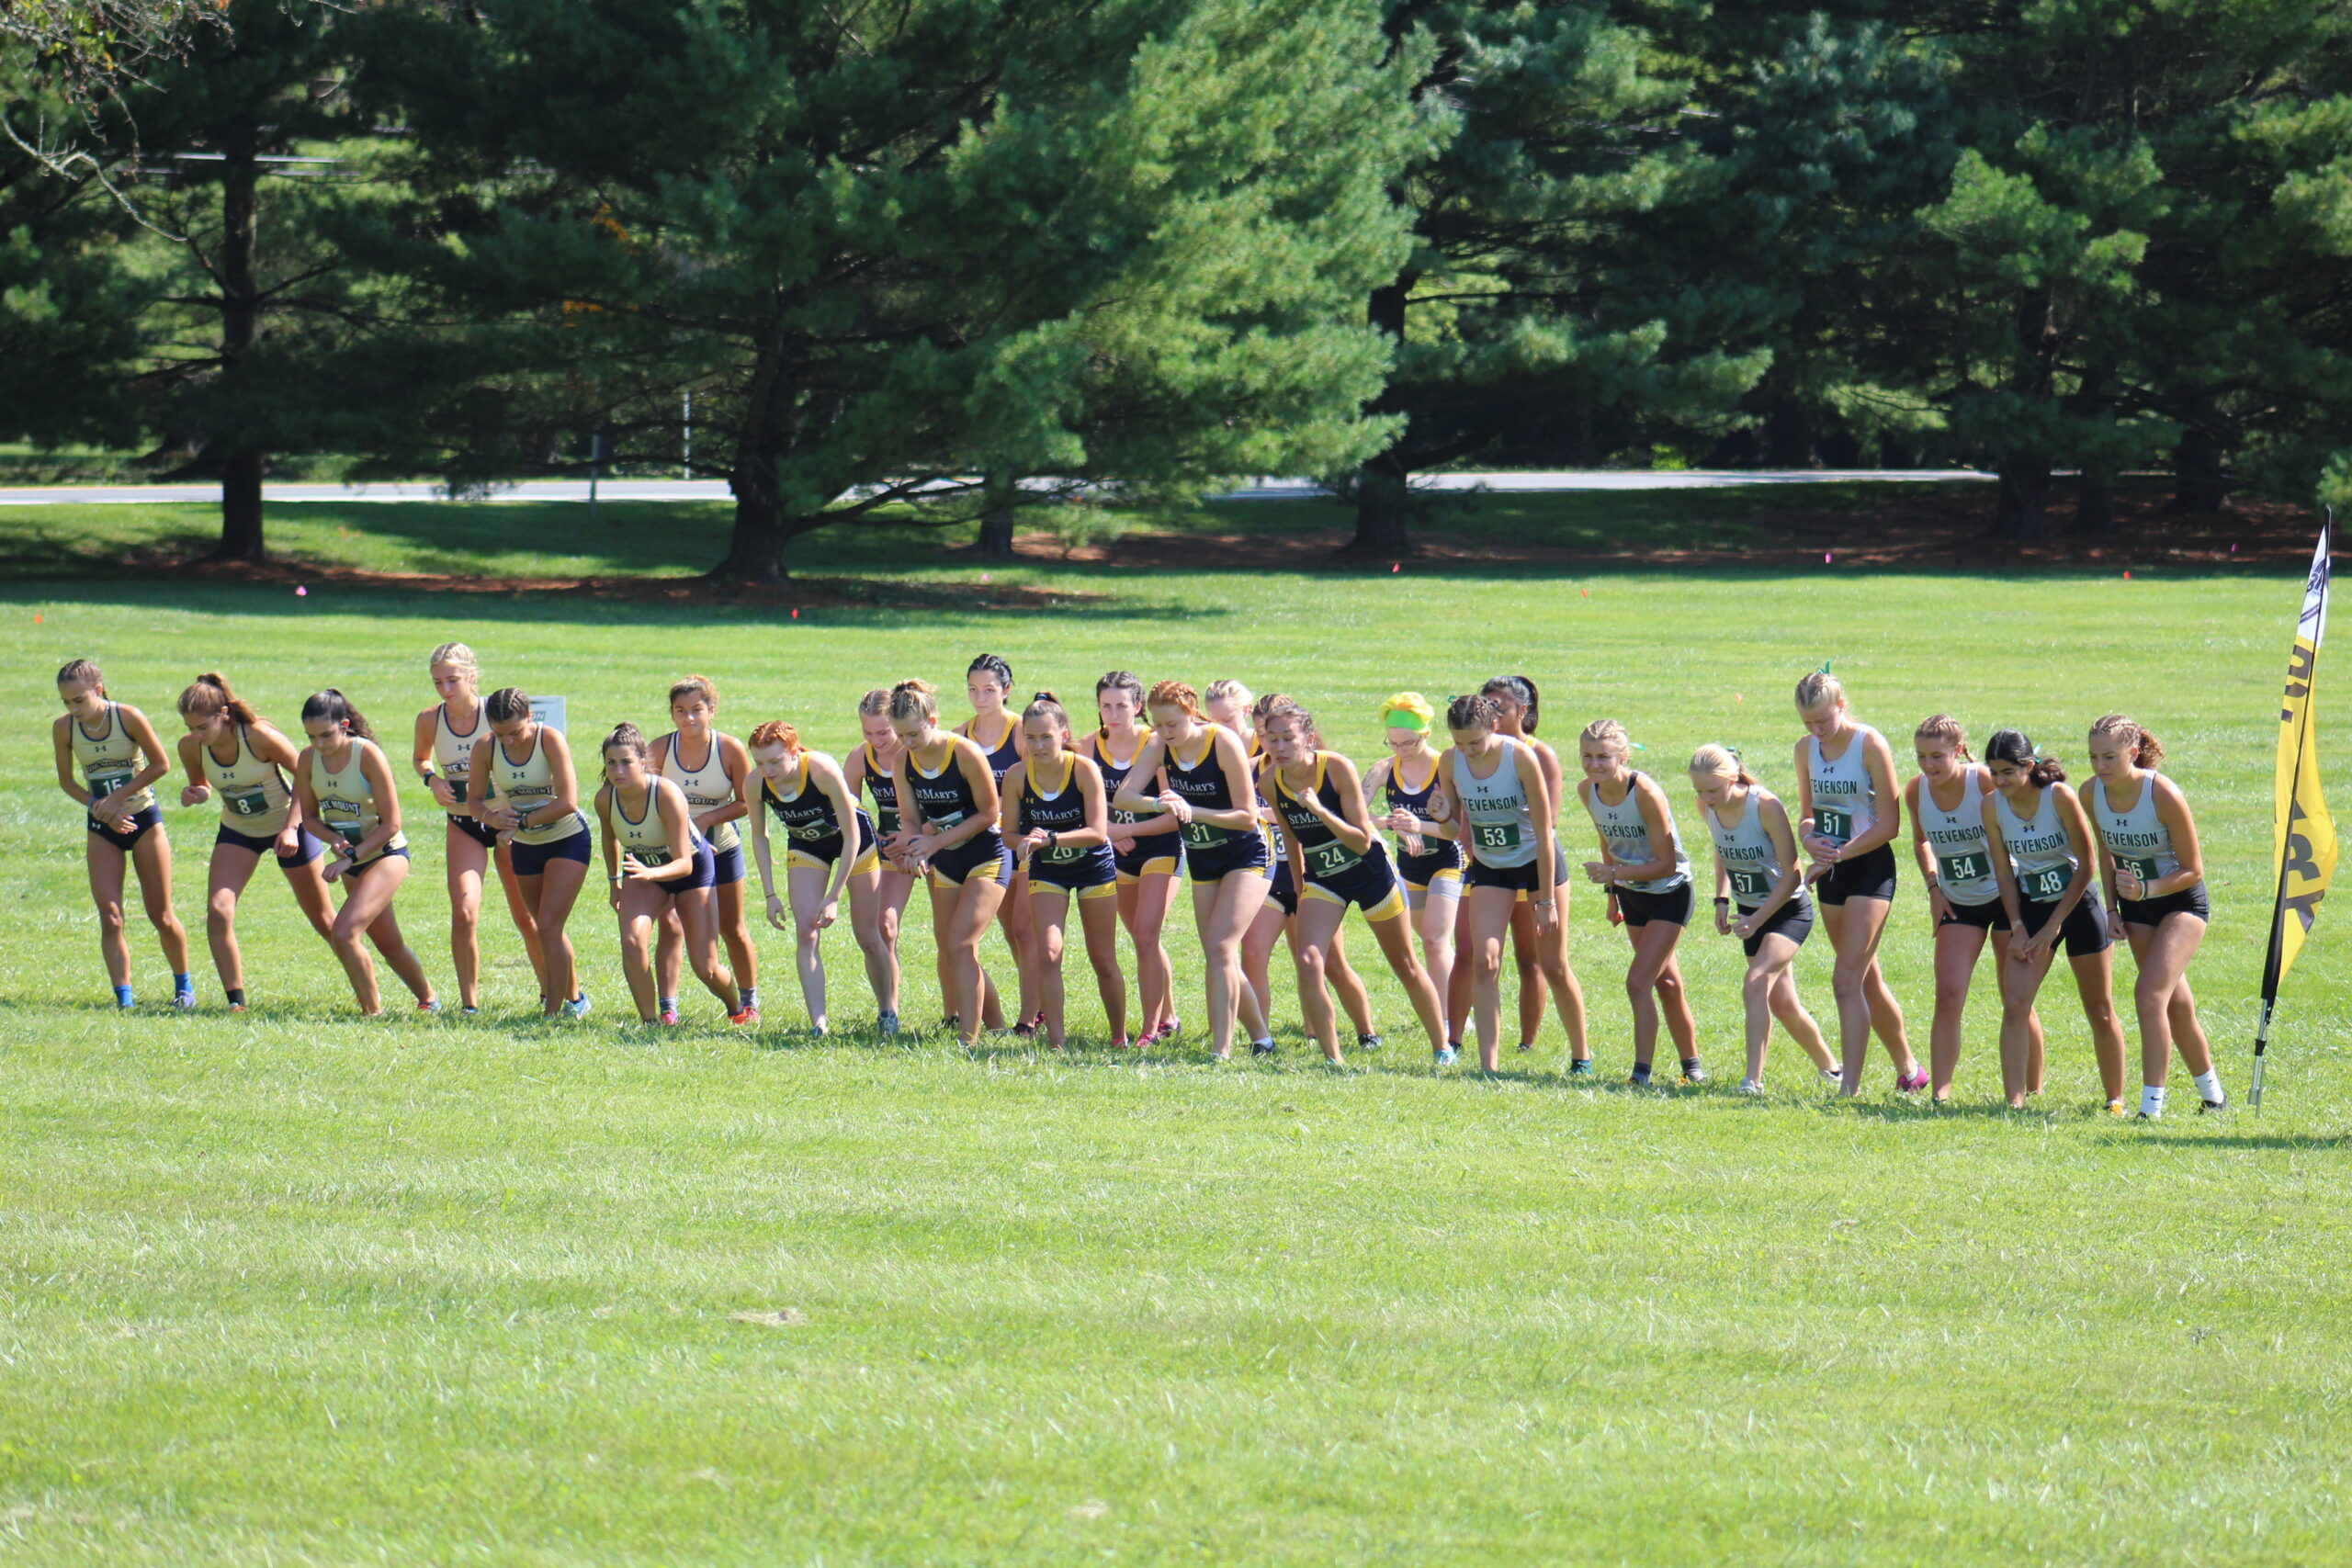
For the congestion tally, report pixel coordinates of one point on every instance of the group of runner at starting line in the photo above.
(1012, 819)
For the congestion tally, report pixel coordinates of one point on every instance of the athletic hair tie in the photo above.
(1405, 718)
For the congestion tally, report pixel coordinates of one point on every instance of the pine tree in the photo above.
(898, 247)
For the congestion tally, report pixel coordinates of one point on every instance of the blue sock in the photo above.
(669, 1004)
(182, 986)
(751, 995)
(122, 996)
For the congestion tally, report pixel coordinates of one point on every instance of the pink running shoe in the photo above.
(1915, 1083)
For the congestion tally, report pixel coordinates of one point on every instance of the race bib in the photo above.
(811, 835)
(1202, 835)
(346, 827)
(2145, 870)
(104, 785)
(651, 857)
(249, 803)
(1833, 823)
(2045, 886)
(1964, 868)
(1495, 835)
(1750, 887)
(1329, 860)
(457, 788)
(1059, 854)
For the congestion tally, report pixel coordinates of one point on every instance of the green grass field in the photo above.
(299, 1286)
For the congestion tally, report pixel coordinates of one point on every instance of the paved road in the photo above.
(716, 490)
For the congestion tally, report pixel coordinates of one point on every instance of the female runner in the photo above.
(1516, 707)
(1499, 793)
(988, 684)
(443, 754)
(1336, 859)
(1954, 844)
(343, 785)
(716, 787)
(1058, 820)
(2048, 835)
(1429, 860)
(527, 790)
(121, 759)
(945, 780)
(1846, 782)
(829, 846)
(1756, 872)
(1643, 865)
(258, 817)
(1228, 704)
(869, 769)
(656, 862)
(1210, 794)
(2155, 877)
(1148, 851)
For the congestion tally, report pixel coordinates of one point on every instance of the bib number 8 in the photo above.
(1833, 823)
(249, 803)
(1750, 887)
(1970, 867)
(1496, 835)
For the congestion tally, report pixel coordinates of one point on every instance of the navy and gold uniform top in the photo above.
(1438, 854)
(807, 816)
(884, 791)
(1202, 783)
(1003, 756)
(1325, 854)
(944, 799)
(1063, 811)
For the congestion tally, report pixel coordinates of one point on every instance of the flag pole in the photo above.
(2286, 848)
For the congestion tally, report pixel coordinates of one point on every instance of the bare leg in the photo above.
(519, 906)
(735, 933)
(231, 868)
(1311, 933)
(642, 908)
(465, 859)
(1790, 1008)
(698, 923)
(1394, 935)
(1958, 947)
(971, 909)
(878, 943)
(1433, 917)
(1854, 928)
(2020, 983)
(1258, 946)
(2095, 983)
(106, 865)
(1224, 911)
(1144, 905)
(1098, 918)
(151, 857)
(553, 892)
(364, 897)
(384, 932)
(1048, 907)
(806, 885)
(1489, 909)
(1647, 982)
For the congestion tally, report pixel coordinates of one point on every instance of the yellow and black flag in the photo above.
(2304, 837)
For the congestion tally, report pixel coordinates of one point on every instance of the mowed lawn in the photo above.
(297, 1287)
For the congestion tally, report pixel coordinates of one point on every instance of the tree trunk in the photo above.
(2095, 504)
(1380, 483)
(240, 467)
(1788, 428)
(998, 497)
(2023, 509)
(755, 549)
(2197, 484)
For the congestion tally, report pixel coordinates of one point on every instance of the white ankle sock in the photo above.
(2209, 1087)
(2152, 1100)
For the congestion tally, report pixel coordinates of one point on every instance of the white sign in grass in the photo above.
(550, 712)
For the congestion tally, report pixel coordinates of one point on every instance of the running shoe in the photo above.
(1915, 1083)
(667, 1021)
(1263, 1047)
(1751, 1086)
(469, 1012)
(886, 1023)
(577, 1006)
(2117, 1107)
(1833, 1076)
(184, 1000)
(1444, 1055)
(1578, 1067)
(2203, 1106)
(1526, 1046)
(1639, 1077)
(749, 1017)
(1367, 1042)
(432, 1006)
(236, 1006)
(1694, 1074)
(1120, 1043)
